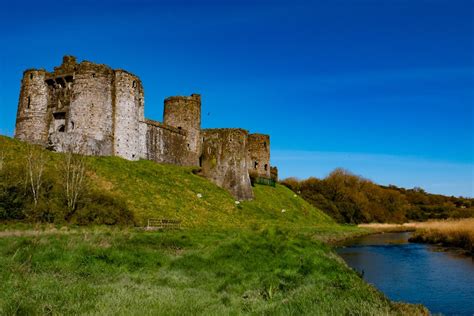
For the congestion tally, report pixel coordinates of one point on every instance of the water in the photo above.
(443, 281)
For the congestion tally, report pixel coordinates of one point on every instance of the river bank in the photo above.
(448, 233)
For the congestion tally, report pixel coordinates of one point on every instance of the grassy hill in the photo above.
(152, 190)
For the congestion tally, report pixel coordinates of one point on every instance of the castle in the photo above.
(103, 109)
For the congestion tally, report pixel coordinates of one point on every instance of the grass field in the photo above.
(111, 271)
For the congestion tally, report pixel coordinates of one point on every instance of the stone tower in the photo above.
(184, 113)
(32, 118)
(129, 113)
(224, 160)
(259, 155)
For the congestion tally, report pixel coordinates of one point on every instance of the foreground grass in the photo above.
(457, 233)
(110, 271)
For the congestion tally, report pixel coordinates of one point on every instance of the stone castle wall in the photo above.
(166, 144)
(224, 160)
(97, 110)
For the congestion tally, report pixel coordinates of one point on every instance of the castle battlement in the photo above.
(103, 109)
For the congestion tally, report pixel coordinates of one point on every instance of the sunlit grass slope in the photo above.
(154, 190)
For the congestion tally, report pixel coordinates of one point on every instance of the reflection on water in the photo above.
(415, 273)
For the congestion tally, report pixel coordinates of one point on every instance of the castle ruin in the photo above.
(103, 110)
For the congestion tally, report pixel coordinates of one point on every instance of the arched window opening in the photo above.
(255, 164)
(31, 76)
(62, 129)
(266, 167)
(72, 125)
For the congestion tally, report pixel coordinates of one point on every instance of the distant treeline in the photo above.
(349, 198)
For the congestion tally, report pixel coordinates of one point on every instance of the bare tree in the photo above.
(74, 173)
(35, 165)
(2, 159)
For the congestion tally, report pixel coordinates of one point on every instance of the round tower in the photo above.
(185, 113)
(128, 115)
(32, 118)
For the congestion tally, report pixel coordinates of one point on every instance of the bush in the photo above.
(102, 209)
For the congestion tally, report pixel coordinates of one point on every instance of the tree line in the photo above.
(350, 198)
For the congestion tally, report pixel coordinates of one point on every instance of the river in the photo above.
(441, 280)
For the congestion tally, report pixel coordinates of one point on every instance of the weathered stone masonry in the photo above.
(101, 110)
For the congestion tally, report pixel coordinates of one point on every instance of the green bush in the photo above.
(101, 208)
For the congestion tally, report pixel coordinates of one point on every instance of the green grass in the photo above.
(153, 190)
(247, 258)
(209, 272)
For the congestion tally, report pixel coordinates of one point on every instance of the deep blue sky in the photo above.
(383, 88)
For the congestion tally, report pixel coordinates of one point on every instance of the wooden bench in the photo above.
(161, 224)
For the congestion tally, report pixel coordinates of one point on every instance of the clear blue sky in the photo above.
(382, 88)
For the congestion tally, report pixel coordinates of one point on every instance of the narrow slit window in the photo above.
(29, 103)
(134, 84)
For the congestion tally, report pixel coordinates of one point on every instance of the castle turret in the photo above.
(259, 155)
(91, 107)
(32, 118)
(185, 113)
(129, 114)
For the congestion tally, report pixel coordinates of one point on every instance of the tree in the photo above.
(35, 166)
(73, 170)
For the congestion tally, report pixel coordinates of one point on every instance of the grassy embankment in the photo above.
(229, 259)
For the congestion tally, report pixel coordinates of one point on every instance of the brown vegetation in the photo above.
(350, 198)
(457, 233)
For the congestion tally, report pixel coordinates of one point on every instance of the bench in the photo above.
(161, 224)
